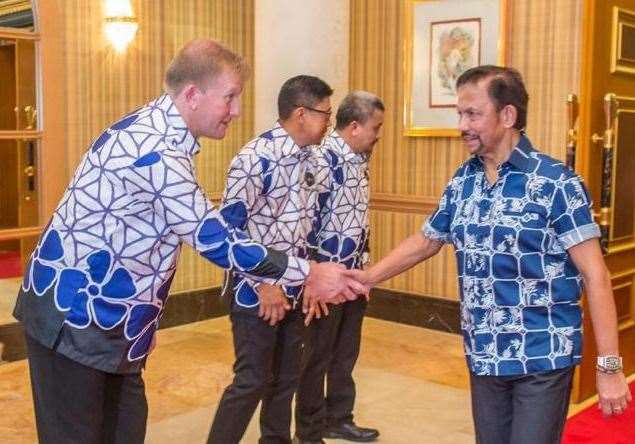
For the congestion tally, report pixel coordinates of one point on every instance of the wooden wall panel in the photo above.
(436, 276)
(100, 86)
(103, 85)
(544, 45)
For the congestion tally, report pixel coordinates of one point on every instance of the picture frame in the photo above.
(623, 41)
(444, 38)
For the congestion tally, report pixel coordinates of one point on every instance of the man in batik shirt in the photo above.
(332, 343)
(272, 193)
(98, 280)
(525, 242)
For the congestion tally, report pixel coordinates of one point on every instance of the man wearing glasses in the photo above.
(273, 187)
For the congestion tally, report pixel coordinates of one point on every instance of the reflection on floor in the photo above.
(412, 385)
(8, 294)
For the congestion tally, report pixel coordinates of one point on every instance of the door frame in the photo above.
(588, 160)
(51, 166)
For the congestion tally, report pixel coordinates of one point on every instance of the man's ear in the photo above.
(354, 127)
(298, 113)
(192, 95)
(509, 116)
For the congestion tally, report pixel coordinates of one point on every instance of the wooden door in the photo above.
(27, 163)
(606, 159)
(18, 149)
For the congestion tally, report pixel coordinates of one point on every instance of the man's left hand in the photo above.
(613, 392)
(312, 307)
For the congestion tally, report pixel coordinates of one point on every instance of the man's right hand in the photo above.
(273, 303)
(333, 283)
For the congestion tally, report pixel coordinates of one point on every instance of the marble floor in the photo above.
(412, 385)
(8, 294)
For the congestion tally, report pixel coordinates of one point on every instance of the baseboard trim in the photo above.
(193, 306)
(421, 311)
(12, 339)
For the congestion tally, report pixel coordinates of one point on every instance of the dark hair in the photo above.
(505, 87)
(301, 91)
(357, 106)
(200, 62)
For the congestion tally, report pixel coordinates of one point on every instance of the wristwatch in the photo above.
(609, 364)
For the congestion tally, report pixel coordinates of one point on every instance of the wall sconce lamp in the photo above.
(120, 24)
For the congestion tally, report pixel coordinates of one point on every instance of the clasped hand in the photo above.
(332, 283)
(273, 303)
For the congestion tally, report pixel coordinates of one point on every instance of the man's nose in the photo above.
(235, 108)
(463, 124)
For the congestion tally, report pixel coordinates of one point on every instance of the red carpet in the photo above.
(590, 427)
(10, 265)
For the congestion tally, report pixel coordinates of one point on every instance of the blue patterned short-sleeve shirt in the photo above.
(520, 291)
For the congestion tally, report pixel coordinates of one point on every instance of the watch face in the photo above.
(611, 362)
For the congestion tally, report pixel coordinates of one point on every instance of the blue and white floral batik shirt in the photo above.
(343, 235)
(98, 280)
(272, 193)
(520, 291)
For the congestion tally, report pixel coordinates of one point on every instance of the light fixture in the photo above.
(120, 24)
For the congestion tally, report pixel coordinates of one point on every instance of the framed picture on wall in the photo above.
(444, 38)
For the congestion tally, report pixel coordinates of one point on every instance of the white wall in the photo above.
(298, 37)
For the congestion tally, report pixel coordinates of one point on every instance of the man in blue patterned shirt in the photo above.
(525, 242)
(98, 280)
(272, 191)
(333, 342)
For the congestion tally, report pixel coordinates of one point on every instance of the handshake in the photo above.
(327, 283)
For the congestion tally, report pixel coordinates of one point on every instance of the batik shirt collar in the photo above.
(520, 157)
(182, 138)
(344, 149)
(284, 144)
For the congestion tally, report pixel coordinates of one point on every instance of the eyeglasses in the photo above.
(326, 113)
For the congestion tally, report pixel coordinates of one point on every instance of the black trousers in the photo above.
(267, 369)
(525, 409)
(78, 404)
(331, 351)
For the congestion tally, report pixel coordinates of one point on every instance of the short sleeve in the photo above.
(437, 227)
(571, 217)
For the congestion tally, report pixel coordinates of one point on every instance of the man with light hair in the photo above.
(98, 280)
(333, 342)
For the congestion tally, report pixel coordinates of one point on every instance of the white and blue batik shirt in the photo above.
(520, 291)
(97, 282)
(272, 193)
(343, 235)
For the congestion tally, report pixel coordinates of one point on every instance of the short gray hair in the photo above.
(357, 106)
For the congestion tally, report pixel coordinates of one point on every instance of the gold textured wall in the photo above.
(101, 86)
(408, 174)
